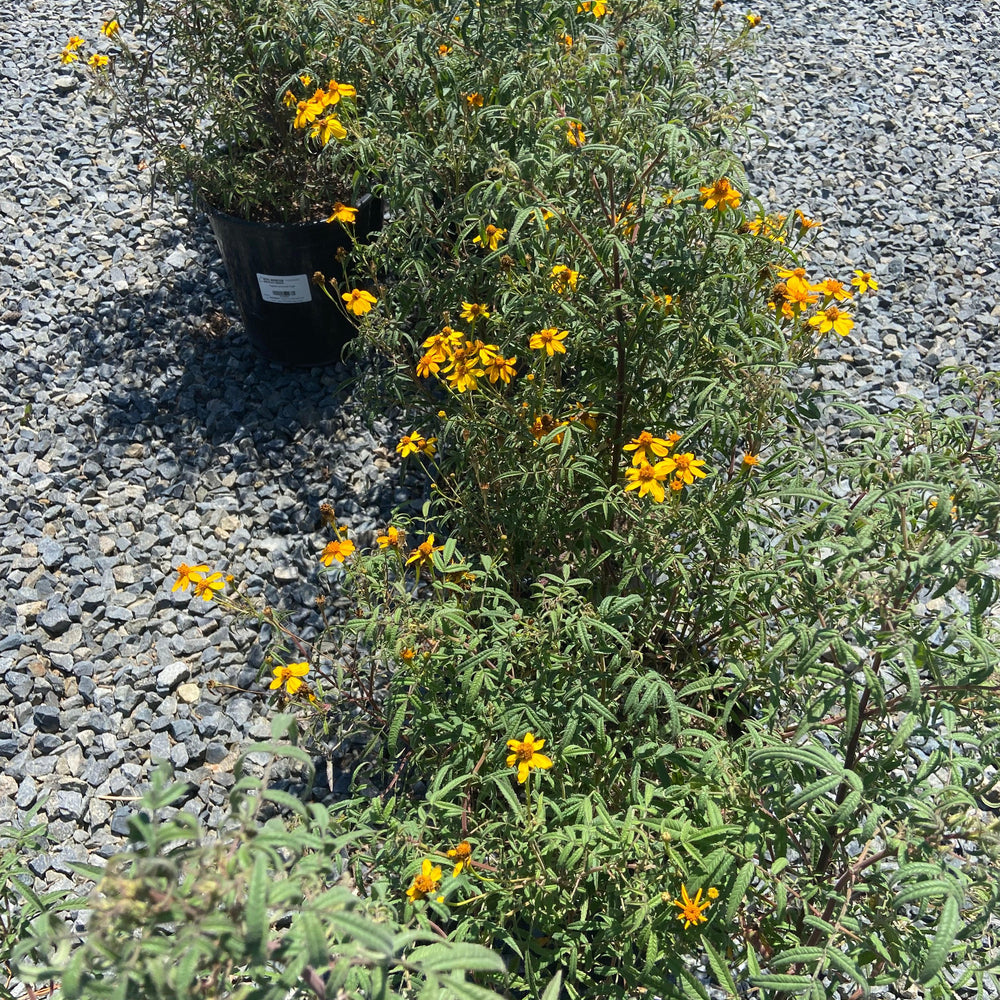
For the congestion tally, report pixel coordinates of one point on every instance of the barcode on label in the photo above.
(285, 288)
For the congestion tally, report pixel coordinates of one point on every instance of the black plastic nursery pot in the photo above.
(289, 319)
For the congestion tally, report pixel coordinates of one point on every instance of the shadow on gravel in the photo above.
(184, 374)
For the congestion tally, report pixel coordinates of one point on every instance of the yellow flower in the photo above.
(205, 587)
(649, 479)
(75, 42)
(494, 234)
(289, 100)
(563, 278)
(414, 442)
(805, 222)
(327, 129)
(335, 91)
(291, 676)
(832, 318)
(423, 554)
(501, 368)
(426, 882)
(67, 56)
(429, 364)
(358, 301)
(863, 280)
(444, 50)
(566, 41)
(463, 375)
(473, 100)
(392, 539)
(660, 447)
(305, 79)
(407, 654)
(339, 549)
(688, 467)
(471, 311)
(575, 134)
(713, 893)
(525, 756)
(833, 289)
(307, 111)
(462, 853)
(343, 213)
(692, 910)
(97, 61)
(797, 292)
(753, 20)
(596, 7)
(110, 28)
(750, 460)
(549, 340)
(186, 575)
(721, 194)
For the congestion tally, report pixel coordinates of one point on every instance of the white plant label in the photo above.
(284, 287)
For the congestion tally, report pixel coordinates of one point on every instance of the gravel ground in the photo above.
(139, 430)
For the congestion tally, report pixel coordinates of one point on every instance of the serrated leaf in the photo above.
(457, 957)
(944, 938)
(255, 912)
(720, 968)
(740, 886)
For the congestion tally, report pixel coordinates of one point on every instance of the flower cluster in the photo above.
(313, 112)
(97, 60)
(793, 294)
(655, 461)
(412, 443)
(461, 361)
(205, 586)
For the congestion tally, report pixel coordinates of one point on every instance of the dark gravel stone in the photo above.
(46, 718)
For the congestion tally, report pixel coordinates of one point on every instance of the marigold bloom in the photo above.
(335, 91)
(110, 28)
(832, 318)
(186, 575)
(863, 280)
(833, 289)
(423, 554)
(392, 539)
(688, 467)
(660, 447)
(289, 100)
(596, 7)
(75, 42)
(692, 910)
(798, 293)
(97, 61)
(750, 460)
(67, 56)
(328, 128)
(429, 364)
(411, 443)
(444, 50)
(290, 675)
(463, 375)
(205, 587)
(494, 234)
(549, 340)
(676, 485)
(545, 423)
(753, 20)
(407, 654)
(563, 278)
(805, 222)
(342, 213)
(473, 100)
(339, 549)
(307, 111)
(525, 756)
(566, 41)
(426, 882)
(462, 853)
(305, 79)
(575, 134)
(720, 195)
(359, 301)
(471, 311)
(649, 479)
(501, 368)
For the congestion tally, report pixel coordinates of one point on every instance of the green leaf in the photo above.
(457, 956)
(944, 938)
(720, 968)
(255, 913)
